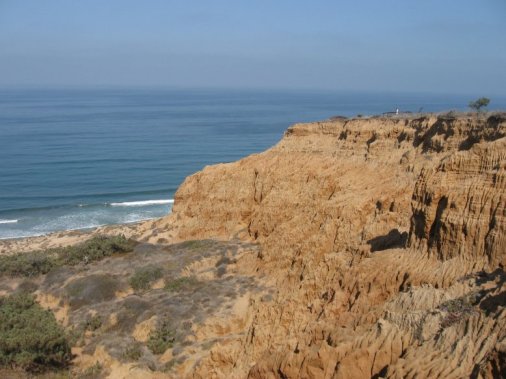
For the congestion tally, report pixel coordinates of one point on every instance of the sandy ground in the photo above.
(68, 237)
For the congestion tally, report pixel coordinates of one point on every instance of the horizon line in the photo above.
(167, 87)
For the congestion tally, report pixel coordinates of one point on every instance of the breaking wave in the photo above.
(8, 221)
(141, 203)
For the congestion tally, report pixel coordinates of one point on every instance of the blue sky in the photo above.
(444, 46)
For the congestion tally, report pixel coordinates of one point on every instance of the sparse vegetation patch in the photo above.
(91, 372)
(93, 323)
(161, 339)
(196, 244)
(91, 289)
(133, 352)
(179, 284)
(41, 262)
(94, 249)
(27, 264)
(144, 277)
(457, 309)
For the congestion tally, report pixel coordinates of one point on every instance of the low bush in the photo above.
(161, 339)
(133, 352)
(41, 262)
(179, 284)
(94, 249)
(93, 323)
(458, 309)
(91, 289)
(30, 337)
(26, 264)
(460, 304)
(144, 277)
(27, 287)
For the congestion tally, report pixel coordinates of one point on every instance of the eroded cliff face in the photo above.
(459, 206)
(383, 239)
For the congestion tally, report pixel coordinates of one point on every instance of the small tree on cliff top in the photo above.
(478, 104)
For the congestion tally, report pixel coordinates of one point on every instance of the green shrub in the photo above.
(30, 337)
(75, 336)
(180, 283)
(26, 264)
(27, 287)
(93, 323)
(133, 352)
(161, 339)
(143, 277)
(94, 249)
(41, 262)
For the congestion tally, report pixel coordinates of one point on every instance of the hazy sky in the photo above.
(455, 46)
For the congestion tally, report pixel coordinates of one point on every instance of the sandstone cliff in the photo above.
(383, 238)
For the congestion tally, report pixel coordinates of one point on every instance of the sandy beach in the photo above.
(71, 237)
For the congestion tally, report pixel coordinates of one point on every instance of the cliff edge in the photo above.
(383, 240)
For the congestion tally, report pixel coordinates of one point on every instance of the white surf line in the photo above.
(23, 236)
(142, 203)
(8, 221)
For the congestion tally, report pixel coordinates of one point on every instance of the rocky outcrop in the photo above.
(366, 228)
(459, 207)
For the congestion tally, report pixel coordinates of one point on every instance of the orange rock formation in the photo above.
(384, 239)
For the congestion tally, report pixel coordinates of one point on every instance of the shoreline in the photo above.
(70, 237)
(81, 217)
(85, 229)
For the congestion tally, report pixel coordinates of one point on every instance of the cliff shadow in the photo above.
(393, 239)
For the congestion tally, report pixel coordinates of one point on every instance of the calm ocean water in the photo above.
(72, 159)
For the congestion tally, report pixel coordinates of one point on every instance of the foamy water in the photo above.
(8, 221)
(46, 220)
(142, 203)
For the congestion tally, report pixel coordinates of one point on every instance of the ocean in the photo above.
(79, 158)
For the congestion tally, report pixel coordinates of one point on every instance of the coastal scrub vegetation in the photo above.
(41, 262)
(133, 352)
(30, 337)
(144, 277)
(93, 323)
(94, 249)
(161, 338)
(458, 309)
(180, 283)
